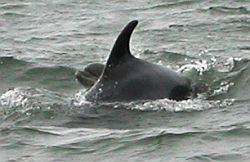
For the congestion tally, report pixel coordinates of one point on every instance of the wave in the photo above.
(9, 6)
(10, 61)
(56, 73)
(164, 5)
(82, 141)
(10, 69)
(219, 157)
(19, 72)
(14, 15)
(229, 10)
(129, 136)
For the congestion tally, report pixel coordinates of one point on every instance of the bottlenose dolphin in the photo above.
(90, 74)
(126, 78)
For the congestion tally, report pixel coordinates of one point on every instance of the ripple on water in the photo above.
(9, 6)
(43, 118)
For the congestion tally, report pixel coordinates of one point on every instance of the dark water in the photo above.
(44, 116)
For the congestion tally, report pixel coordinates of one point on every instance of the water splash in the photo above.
(199, 65)
(15, 97)
(198, 104)
(31, 98)
(204, 65)
(181, 106)
(79, 98)
(223, 88)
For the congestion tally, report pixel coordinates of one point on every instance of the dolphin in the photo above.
(90, 74)
(125, 78)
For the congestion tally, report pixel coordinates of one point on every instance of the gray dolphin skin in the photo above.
(90, 74)
(126, 78)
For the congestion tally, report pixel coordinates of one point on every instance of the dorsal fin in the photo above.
(121, 49)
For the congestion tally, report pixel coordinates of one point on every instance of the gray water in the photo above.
(43, 113)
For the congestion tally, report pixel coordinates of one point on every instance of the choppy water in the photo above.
(44, 116)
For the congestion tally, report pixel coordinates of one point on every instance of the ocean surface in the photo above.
(45, 118)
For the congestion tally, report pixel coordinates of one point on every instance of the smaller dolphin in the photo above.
(126, 78)
(90, 74)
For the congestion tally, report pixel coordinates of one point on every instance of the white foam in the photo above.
(179, 106)
(224, 87)
(199, 65)
(27, 98)
(14, 98)
(79, 98)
